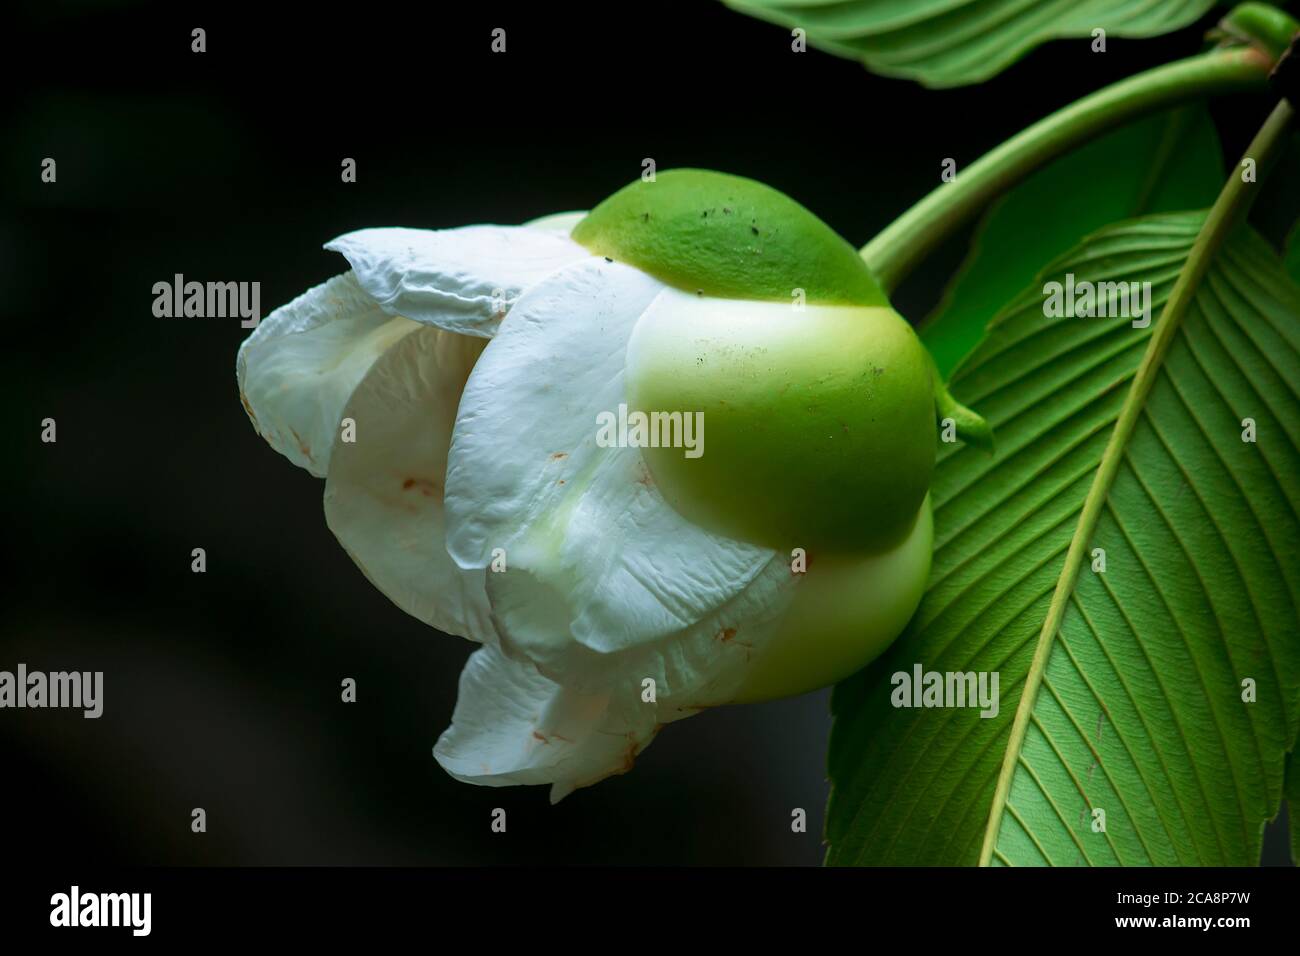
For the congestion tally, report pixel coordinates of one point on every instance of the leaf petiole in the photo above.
(901, 246)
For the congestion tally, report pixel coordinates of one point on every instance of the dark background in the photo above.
(222, 689)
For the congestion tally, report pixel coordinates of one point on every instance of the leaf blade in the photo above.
(908, 785)
(944, 43)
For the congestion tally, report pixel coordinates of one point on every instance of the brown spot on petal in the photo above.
(541, 737)
(629, 755)
(426, 487)
(558, 455)
(243, 400)
(726, 636)
(302, 445)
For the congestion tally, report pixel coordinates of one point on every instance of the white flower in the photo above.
(472, 364)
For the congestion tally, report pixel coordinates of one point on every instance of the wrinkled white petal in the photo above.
(383, 497)
(702, 664)
(604, 587)
(463, 280)
(300, 365)
(598, 563)
(514, 726)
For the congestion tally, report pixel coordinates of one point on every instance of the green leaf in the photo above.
(1293, 254)
(1136, 706)
(954, 42)
(1161, 164)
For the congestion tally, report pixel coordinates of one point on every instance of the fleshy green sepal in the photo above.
(726, 236)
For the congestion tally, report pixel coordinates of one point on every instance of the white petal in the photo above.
(383, 498)
(598, 563)
(561, 222)
(514, 726)
(462, 280)
(702, 664)
(300, 365)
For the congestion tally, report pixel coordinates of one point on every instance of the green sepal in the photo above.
(726, 236)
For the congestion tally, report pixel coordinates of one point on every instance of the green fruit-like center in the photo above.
(814, 428)
(813, 400)
(846, 611)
